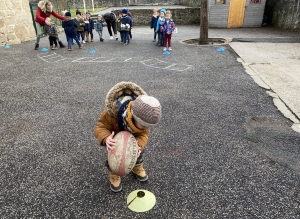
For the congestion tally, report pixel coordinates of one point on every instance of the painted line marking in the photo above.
(170, 66)
(152, 62)
(49, 55)
(127, 59)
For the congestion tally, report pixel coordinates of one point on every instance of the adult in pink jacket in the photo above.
(43, 13)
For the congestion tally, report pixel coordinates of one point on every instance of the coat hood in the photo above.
(128, 90)
(42, 5)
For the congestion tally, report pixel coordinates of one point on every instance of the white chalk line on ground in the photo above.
(150, 62)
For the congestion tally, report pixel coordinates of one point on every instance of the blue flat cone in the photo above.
(6, 47)
(166, 53)
(44, 50)
(92, 51)
(221, 49)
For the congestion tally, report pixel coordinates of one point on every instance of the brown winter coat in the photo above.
(107, 124)
(108, 121)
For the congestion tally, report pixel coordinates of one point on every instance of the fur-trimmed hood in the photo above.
(121, 92)
(42, 5)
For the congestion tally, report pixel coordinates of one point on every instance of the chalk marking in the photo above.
(61, 59)
(49, 55)
(127, 59)
(53, 57)
(152, 62)
(170, 66)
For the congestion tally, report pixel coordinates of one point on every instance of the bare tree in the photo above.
(203, 23)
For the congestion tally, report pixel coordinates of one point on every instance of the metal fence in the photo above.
(57, 7)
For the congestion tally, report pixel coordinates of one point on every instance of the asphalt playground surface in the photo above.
(221, 150)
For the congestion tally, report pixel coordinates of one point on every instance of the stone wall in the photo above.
(16, 23)
(284, 14)
(180, 16)
(123, 3)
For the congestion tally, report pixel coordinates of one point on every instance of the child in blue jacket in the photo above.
(91, 25)
(69, 26)
(158, 29)
(153, 22)
(126, 24)
(99, 27)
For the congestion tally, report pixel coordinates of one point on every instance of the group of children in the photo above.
(163, 26)
(83, 25)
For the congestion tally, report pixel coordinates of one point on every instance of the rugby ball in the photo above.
(122, 158)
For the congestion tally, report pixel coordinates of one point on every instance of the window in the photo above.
(220, 2)
(255, 1)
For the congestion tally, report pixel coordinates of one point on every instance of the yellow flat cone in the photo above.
(141, 200)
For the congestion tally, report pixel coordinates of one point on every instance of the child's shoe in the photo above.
(115, 182)
(91, 40)
(36, 47)
(83, 41)
(139, 172)
(55, 47)
(170, 48)
(61, 45)
(165, 49)
(111, 37)
(101, 39)
(80, 46)
(52, 48)
(70, 48)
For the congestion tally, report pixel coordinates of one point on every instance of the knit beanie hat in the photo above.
(146, 110)
(68, 14)
(124, 11)
(163, 10)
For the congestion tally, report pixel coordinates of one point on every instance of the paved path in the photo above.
(222, 149)
(277, 67)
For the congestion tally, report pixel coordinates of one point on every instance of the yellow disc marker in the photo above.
(141, 200)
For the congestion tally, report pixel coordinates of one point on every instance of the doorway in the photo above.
(236, 13)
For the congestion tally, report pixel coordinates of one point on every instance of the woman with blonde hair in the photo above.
(43, 13)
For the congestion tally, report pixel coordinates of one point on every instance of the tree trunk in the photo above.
(203, 23)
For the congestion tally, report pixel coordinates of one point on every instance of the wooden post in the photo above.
(203, 23)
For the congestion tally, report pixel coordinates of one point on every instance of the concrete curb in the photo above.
(213, 39)
(278, 102)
